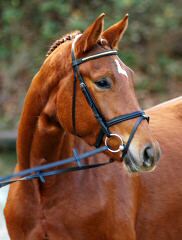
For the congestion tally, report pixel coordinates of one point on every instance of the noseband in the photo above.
(105, 125)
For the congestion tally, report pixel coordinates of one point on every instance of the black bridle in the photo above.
(37, 172)
(105, 125)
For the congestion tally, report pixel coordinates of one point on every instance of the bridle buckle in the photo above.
(82, 85)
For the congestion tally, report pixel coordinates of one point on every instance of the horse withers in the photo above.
(88, 204)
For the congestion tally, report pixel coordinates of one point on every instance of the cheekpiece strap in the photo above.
(89, 98)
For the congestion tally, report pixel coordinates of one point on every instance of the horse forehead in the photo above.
(120, 68)
(113, 61)
(107, 64)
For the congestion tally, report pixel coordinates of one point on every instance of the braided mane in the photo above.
(68, 37)
(62, 40)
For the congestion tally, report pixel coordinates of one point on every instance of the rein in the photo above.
(36, 172)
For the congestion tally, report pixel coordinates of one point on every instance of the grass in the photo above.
(7, 162)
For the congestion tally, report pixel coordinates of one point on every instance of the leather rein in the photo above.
(37, 172)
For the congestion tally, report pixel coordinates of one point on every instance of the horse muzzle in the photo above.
(146, 161)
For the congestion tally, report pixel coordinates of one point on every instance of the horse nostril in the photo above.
(148, 156)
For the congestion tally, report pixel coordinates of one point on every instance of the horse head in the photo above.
(110, 83)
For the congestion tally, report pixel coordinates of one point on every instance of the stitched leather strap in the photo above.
(117, 120)
(76, 62)
(55, 172)
(88, 96)
(133, 133)
(37, 172)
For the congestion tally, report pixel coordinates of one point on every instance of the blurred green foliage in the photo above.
(7, 162)
(151, 46)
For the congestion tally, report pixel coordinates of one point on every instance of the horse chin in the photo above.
(130, 165)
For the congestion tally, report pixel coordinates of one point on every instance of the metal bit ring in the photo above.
(121, 146)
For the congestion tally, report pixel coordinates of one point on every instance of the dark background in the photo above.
(152, 45)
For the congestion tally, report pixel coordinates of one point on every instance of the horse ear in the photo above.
(115, 32)
(90, 37)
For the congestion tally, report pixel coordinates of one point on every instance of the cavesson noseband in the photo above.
(105, 125)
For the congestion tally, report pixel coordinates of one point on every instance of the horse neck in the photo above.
(40, 134)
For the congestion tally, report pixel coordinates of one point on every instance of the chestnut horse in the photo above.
(103, 203)
(160, 192)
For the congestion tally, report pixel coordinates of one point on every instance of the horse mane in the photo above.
(37, 96)
(62, 40)
(68, 37)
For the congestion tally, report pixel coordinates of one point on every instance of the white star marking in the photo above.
(120, 69)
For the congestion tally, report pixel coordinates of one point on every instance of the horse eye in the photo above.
(103, 83)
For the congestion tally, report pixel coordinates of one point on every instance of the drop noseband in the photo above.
(105, 125)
